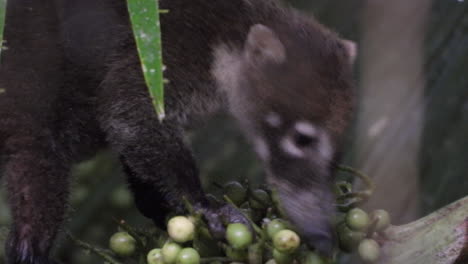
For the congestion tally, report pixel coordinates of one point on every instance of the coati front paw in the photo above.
(23, 251)
(219, 217)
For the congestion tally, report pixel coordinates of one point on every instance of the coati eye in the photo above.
(305, 134)
(303, 140)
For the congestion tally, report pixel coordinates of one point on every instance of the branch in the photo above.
(441, 237)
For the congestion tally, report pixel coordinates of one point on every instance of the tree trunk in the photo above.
(391, 107)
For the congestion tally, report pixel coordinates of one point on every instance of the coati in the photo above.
(74, 84)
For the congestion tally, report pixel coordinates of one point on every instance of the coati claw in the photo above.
(21, 252)
(219, 217)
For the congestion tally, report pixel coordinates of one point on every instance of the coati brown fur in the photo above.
(74, 85)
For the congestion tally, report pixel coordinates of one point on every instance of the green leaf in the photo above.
(144, 15)
(2, 24)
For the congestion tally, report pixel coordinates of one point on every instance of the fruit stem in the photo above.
(134, 233)
(255, 226)
(357, 197)
(189, 206)
(213, 259)
(99, 252)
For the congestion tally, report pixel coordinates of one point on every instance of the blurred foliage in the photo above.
(444, 162)
(99, 195)
(2, 21)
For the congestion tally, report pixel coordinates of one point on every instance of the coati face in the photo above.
(290, 87)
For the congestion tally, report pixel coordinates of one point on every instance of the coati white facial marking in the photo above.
(273, 119)
(262, 148)
(289, 146)
(226, 67)
(305, 128)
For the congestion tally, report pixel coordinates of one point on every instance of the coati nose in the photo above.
(310, 211)
(321, 240)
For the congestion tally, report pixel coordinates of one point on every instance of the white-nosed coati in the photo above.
(73, 85)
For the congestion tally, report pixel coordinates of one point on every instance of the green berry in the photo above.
(239, 236)
(312, 258)
(369, 250)
(188, 256)
(236, 254)
(121, 198)
(236, 192)
(181, 229)
(170, 251)
(259, 199)
(338, 218)
(206, 246)
(282, 258)
(274, 227)
(122, 244)
(349, 239)
(271, 261)
(155, 257)
(383, 219)
(357, 219)
(286, 241)
(255, 253)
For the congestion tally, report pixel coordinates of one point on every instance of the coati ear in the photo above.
(351, 49)
(263, 45)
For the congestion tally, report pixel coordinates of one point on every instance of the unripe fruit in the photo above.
(206, 246)
(286, 241)
(357, 219)
(236, 192)
(155, 257)
(181, 229)
(170, 251)
(369, 251)
(349, 239)
(121, 198)
(383, 219)
(188, 256)
(274, 227)
(282, 258)
(313, 258)
(122, 244)
(255, 253)
(259, 199)
(239, 236)
(236, 254)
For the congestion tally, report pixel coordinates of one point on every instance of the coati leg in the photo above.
(37, 181)
(156, 197)
(159, 164)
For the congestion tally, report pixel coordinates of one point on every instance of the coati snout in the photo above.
(291, 89)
